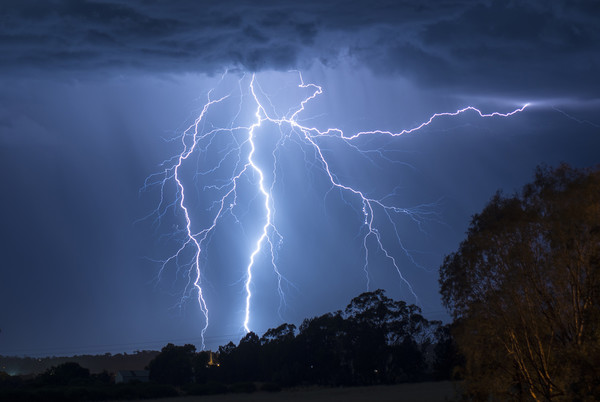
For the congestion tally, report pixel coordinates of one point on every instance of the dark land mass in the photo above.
(422, 392)
(111, 363)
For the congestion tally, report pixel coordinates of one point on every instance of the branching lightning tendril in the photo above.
(242, 150)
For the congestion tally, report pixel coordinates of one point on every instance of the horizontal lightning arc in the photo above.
(434, 117)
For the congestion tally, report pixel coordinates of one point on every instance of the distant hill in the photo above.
(95, 363)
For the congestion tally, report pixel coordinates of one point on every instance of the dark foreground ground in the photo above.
(420, 392)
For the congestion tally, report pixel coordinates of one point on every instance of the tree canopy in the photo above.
(375, 340)
(173, 365)
(524, 289)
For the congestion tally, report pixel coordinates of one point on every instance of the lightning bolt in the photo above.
(239, 158)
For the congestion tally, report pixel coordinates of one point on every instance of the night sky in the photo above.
(94, 96)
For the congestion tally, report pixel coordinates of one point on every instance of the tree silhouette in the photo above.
(65, 373)
(173, 365)
(323, 350)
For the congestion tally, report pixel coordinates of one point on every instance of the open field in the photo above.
(420, 392)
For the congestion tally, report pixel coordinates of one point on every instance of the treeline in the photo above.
(69, 382)
(95, 363)
(375, 340)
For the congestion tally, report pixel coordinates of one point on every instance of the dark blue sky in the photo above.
(91, 92)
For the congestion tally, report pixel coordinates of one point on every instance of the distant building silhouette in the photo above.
(125, 376)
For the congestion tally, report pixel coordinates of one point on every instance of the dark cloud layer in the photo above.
(548, 48)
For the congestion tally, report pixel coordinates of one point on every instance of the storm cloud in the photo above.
(547, 48)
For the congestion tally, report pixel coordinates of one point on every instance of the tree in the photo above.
(283, 333)
(247, 356)
(524, 289)
(387, 338)
(279, 359)
(241, 362)
(65, 374)
(322, 348)
(173, 365)
(200, 366)
(447, 358)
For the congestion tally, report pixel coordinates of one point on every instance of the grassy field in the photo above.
(420, 392)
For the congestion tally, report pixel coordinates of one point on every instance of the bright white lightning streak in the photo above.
(261, 186)
(309, 136)
(188, 223)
